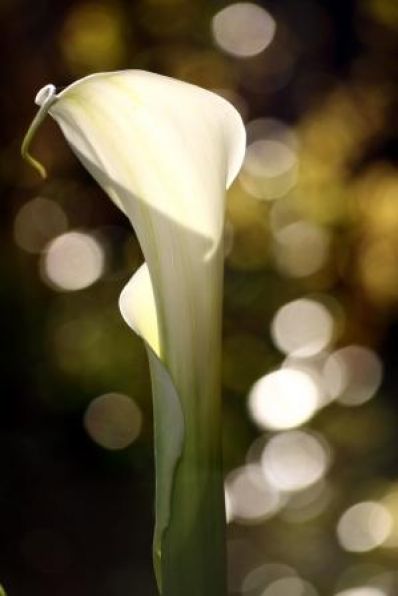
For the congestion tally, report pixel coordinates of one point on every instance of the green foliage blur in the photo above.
(313, 217)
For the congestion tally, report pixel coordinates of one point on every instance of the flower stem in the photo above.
(193, 559)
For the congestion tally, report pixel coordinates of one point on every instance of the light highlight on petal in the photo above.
(138, 308)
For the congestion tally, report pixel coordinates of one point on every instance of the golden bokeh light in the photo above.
(385, 11)
(251, 240)
(167, 19)
(207, 69)
(92, 38)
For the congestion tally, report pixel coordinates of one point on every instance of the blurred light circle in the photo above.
(308, 503)
(92, 37)
(249, 497)
(243, 29)
(301, 248)
(390, 501)
(113, 421)
(353, 375)
(228, 506)
(290, 586)
(282, 214)
(313, 368)
(283, 399)
(365, 573)
(302, 328)
(362, 591)
(240, 557)
(268, 157)
(72, 261)
(364, 526)
(269, 170)
(273, 129)
(260, 577)
(37, 222)
(294, 460)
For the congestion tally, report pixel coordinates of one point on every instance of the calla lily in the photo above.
(165, 151)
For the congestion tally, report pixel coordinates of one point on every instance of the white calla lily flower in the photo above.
(165, 151)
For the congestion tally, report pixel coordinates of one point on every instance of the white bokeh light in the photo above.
(313, 368)
(290, 586)
(269, 170)
(390, 501)
(301, 248)
(362, 591)
(260, 577)
(269, 157)
(294, 460)
(283, 399)
(243, 29)
(271, 128)
(249, 498)
(353, 375)
(364, 526)
(72, 261)
(302, 328)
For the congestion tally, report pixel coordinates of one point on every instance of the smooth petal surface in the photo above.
(138, 308)
(174, 145)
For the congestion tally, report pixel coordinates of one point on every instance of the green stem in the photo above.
(193, 561)
(189, 543)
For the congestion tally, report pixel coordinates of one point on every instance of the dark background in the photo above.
(76, 518)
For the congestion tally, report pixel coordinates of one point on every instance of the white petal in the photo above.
(164, 151)
(138, 308)
(173, 145)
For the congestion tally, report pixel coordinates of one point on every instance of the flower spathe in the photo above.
(165, 151)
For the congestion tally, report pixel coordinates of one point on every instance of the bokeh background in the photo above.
(310, 360)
